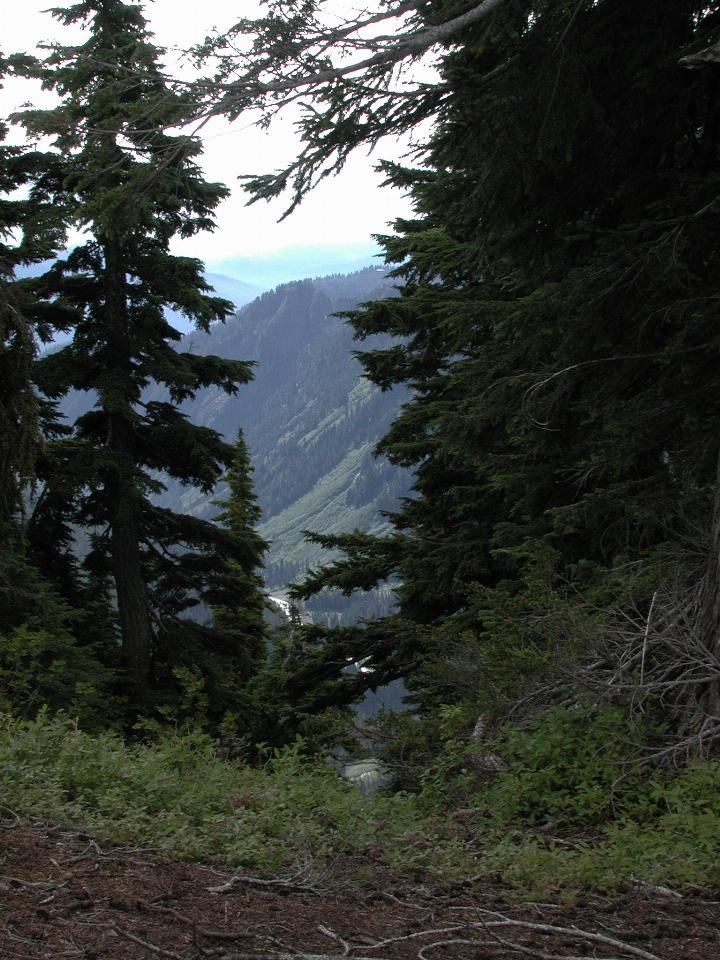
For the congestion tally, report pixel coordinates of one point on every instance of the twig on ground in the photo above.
(458, 928)
(535, 952)
(500, 920)
(15, 819)
(151, 947)
(335, 936)
(259, 882)
(198, 931)
(292, 955)
(86, 854)
(448, 943)
(654, 888)
(403, 903)
(36, 884)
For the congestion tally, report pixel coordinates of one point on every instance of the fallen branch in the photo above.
(653, 888)
(36, 884)
(15, 821)
(293, 955)
(459, 928)
(496, 920)
(448, 943)
(259, 882)
(575, 932)
(151, 947)
(336, 937)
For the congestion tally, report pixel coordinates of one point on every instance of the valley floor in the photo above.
(63, 895)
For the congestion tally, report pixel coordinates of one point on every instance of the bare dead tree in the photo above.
(663, 659)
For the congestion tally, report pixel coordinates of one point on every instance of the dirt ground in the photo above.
(64, 895)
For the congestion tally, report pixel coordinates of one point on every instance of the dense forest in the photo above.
(553, 327)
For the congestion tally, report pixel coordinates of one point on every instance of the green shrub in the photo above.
(571, 768)
(48, 668)
(581, 776)
(179, 795)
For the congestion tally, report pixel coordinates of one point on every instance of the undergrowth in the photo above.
(570, 800)
(180, 795)
(558, 818)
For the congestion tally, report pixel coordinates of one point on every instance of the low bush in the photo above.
(179, 795)
(569, 800)
(573, 767)
(565, 813)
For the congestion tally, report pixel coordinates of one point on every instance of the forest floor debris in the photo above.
(63, 895)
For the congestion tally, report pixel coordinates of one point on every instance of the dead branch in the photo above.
(145, 944)
(34, 884)
(336, 937)
(5, 825)
(448, 943)
(661, 660)
(291, 955)
(418, 934)
(709, 56)
(500, 920)
(259, 882)
(660, 891)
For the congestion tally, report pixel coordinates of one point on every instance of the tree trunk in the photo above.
(708, 621)
(123, 496)
(131, 593)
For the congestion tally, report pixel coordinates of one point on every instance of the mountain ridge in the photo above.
(310, 419)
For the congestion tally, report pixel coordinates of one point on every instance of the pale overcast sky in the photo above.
(341, 214)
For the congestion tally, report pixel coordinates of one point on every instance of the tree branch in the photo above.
(396, 50)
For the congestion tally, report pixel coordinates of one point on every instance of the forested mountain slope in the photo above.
(310, 421)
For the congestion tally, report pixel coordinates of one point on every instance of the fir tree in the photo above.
(557, 319)
(233, 647)
(237, 598)
(53, 652)
(133, 187)
(30, 230)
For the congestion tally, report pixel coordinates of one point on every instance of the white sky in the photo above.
(342, 212)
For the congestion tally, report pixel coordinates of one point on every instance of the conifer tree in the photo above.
(237, 598)
(558, 321)
(30, 229)
(53, 652)
(231, 649)
(132, 187)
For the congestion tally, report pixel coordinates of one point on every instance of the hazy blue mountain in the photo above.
(236, 291)
(233, 289)
(296, 263)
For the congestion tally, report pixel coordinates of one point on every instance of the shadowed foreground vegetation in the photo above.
(544, 824)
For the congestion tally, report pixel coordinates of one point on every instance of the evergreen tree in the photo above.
(237, 598)
(557, 321)
(52, 652)
(30, 229)
(133, 187)
(232, 648)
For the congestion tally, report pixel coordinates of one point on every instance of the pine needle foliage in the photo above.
(133, 187)
(30, 229)
(557, 317)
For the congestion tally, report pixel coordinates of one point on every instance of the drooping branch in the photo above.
(391, 51)
(351, 81)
